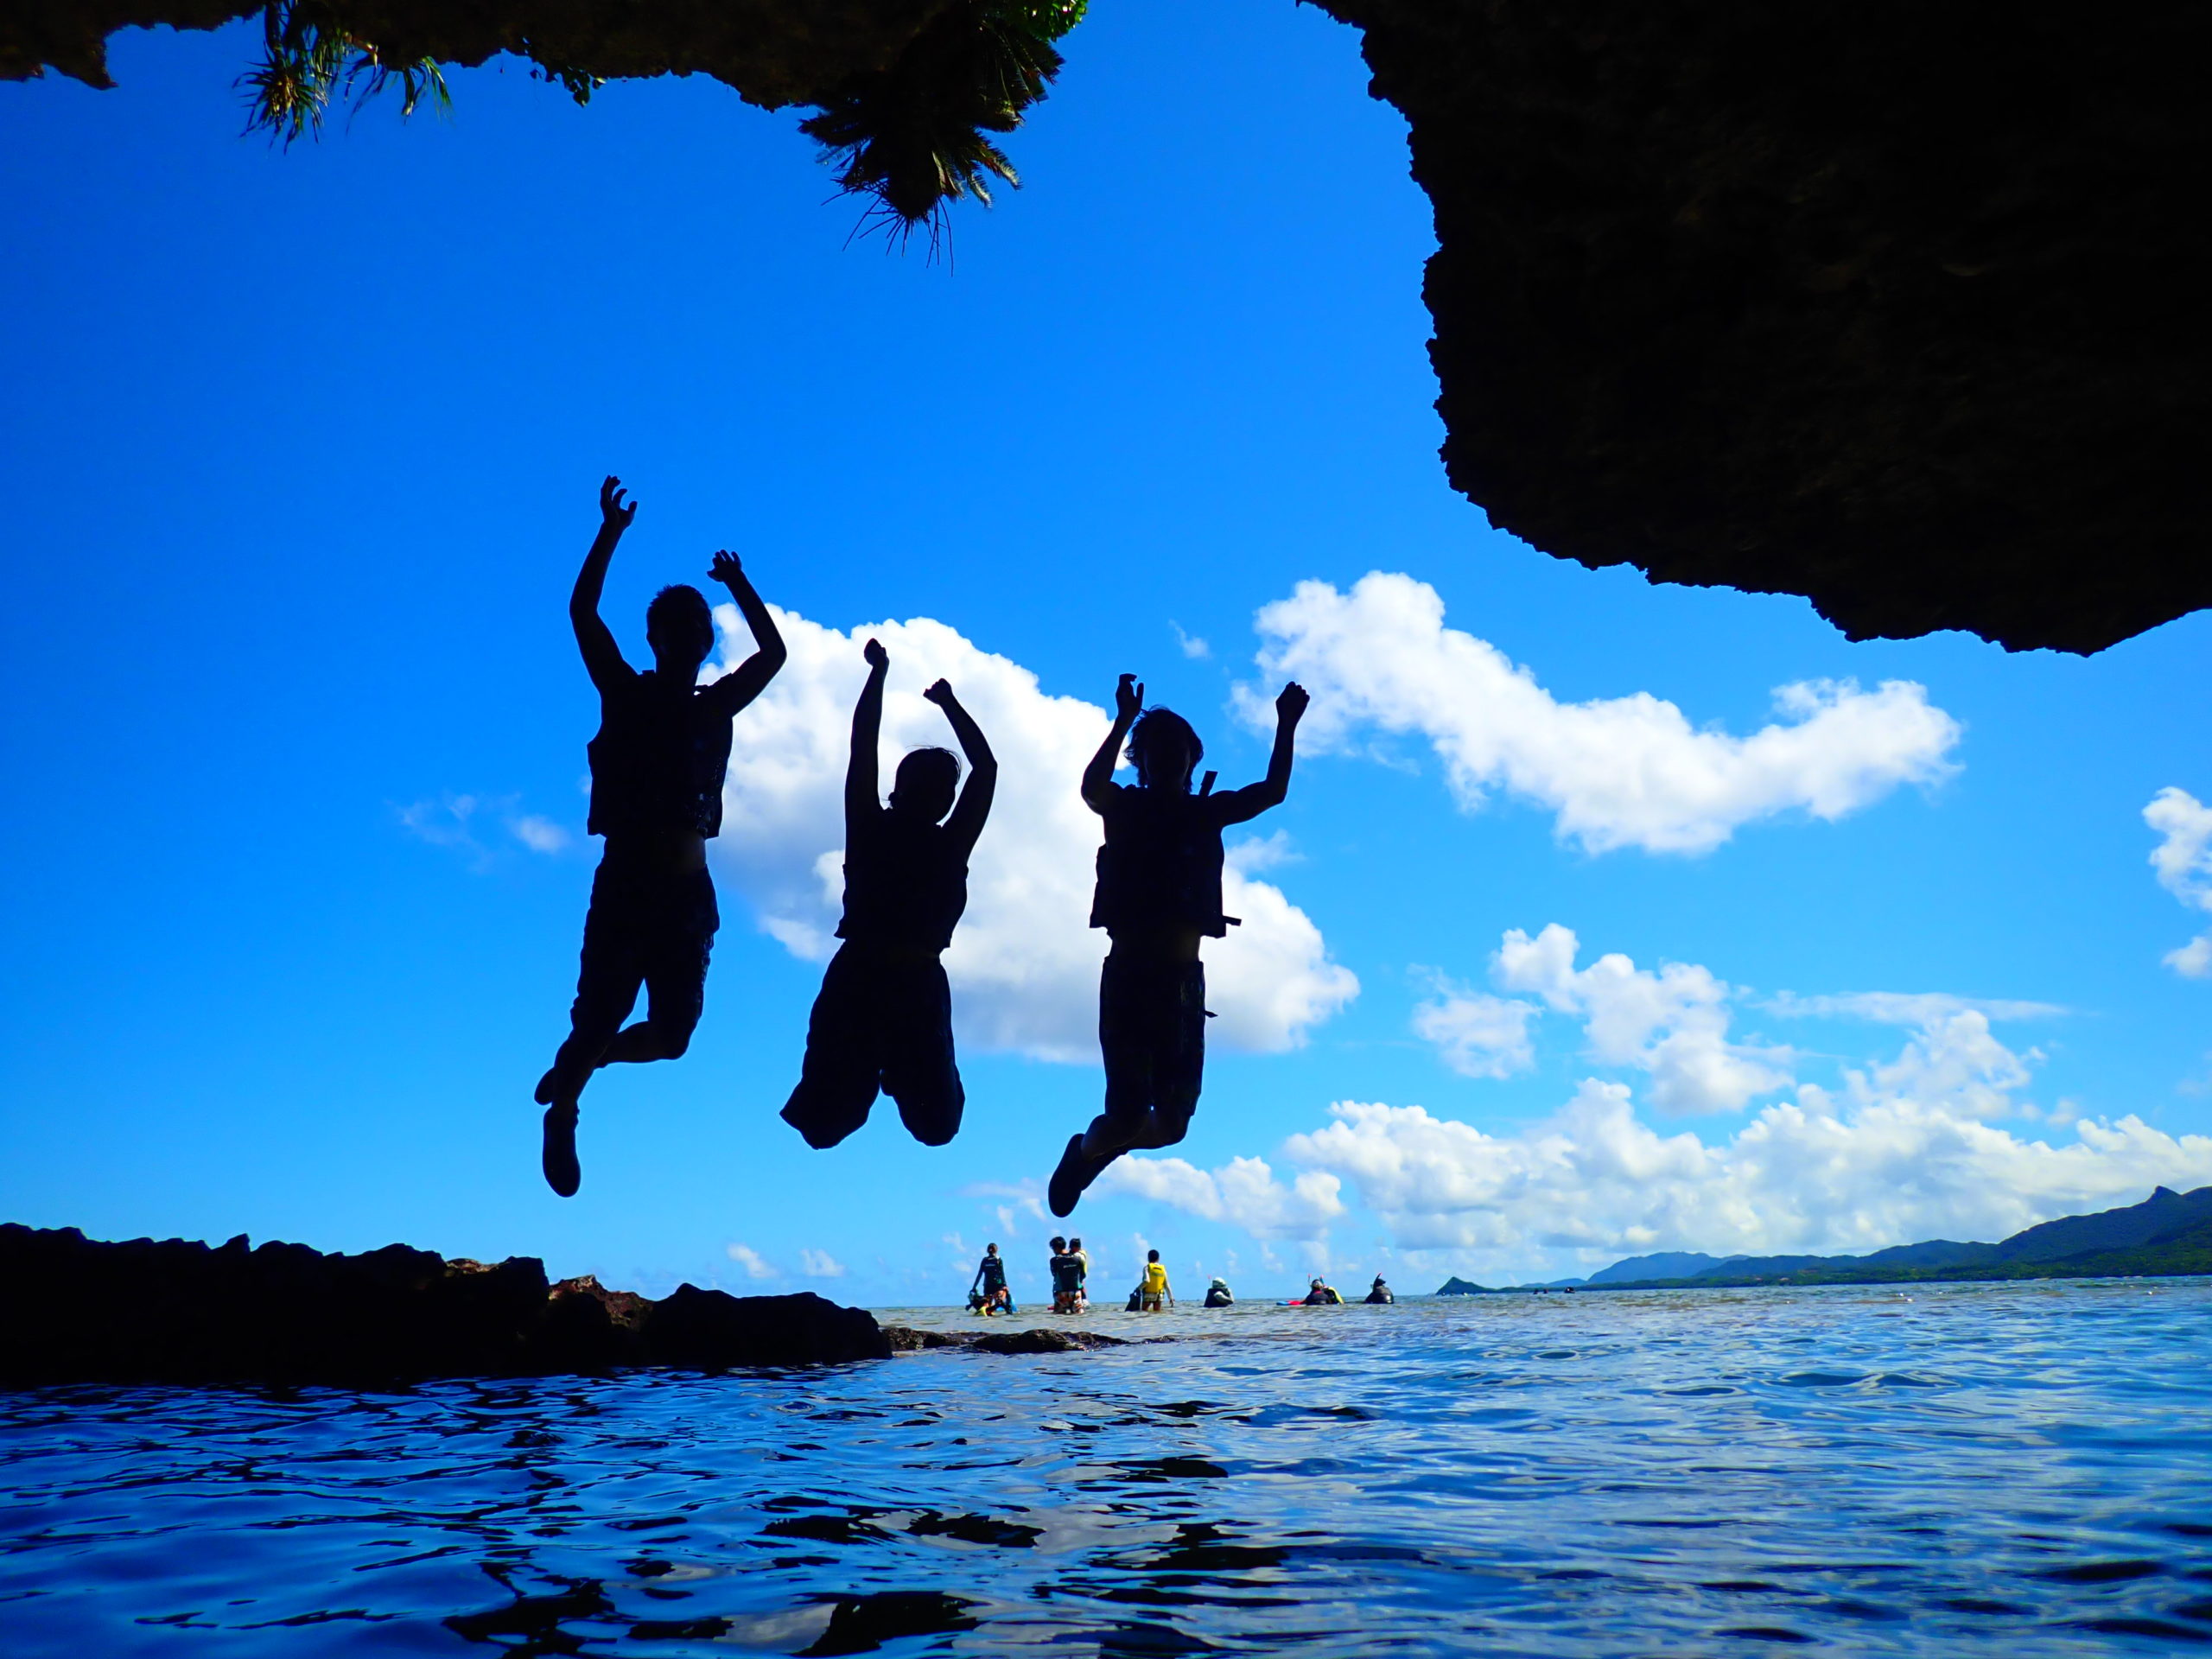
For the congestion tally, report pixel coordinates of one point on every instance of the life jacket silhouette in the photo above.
(1160, 868)
(657, 760)
(906, 884)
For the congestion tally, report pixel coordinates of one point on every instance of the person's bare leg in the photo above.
(646, 1040)
(676, 983)
(1109, 1134)
(1119, 1128)
(1157, 1128)
(658, 941)
(558, 1090)
(606, 990)
(1152, 1035)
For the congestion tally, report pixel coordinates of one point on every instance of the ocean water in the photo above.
(1985, 1468)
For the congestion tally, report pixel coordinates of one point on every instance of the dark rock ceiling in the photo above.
(1898, 304)
(773, 52)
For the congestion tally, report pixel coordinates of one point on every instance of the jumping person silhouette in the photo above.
(884, 1018)
(1159, 894)
(657, 767)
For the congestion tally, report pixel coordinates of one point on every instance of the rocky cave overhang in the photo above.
(1896, 304)
(775, 52)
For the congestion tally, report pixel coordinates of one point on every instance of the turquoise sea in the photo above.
(2019, 1469)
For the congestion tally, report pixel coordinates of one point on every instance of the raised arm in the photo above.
(750, 678)
(862, 796)
(1098, 776)
(974, 805)
(603, 657)
(1239, 805)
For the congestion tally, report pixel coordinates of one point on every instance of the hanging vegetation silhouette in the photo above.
(912, 136)
(916, 136)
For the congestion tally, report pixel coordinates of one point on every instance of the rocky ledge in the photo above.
(1036, 1340)
(173, 1311)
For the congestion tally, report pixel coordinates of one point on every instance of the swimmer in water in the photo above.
(991, 1277)
(1154, 1290)
(1066, 1282)
(1082, 1272)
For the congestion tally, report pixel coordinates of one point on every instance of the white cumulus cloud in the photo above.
(2183, 860)
(1476, 1034)
(1908, 1145)
(1024, 964)
(756, 1265)
(539, 834)
(1673, 1023)
(1243, 1192)
(452, 821)
(820, 1264)
(1907, 1007)
(1902, 1152)
(1618, 771)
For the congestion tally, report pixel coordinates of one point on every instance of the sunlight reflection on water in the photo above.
(1995, 1468)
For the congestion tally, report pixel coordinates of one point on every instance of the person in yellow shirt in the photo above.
(1154, 1289)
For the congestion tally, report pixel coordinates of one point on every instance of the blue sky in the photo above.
(300, 454)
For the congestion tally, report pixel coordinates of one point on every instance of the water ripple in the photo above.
(2012, 1470)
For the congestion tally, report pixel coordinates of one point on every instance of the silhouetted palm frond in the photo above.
(915, 136)
(309, 57)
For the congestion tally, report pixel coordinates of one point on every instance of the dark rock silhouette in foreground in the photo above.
(178, 1312)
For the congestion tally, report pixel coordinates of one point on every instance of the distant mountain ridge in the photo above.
(1667, 1264)
(2169, 1232)
(2163, 1212)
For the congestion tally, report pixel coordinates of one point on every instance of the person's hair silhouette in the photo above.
(884, 1018)
(656, 768)
(1162, 742)
(1159, 894)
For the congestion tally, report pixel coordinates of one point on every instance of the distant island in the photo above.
(2169, 1234)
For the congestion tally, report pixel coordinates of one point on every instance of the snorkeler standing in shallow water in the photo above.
(884, 1017)
(1159, 895)
(656, 768)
